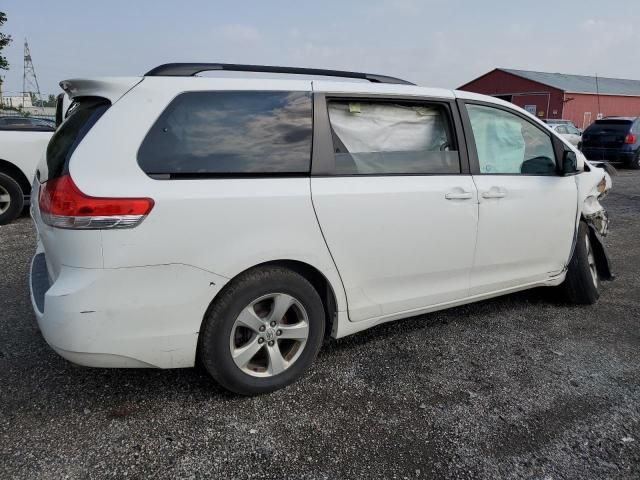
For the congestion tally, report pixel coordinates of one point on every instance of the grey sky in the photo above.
(444, 43)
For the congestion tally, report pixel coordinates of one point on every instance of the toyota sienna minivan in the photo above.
(239, 221)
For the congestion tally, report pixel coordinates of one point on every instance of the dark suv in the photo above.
(615, 139)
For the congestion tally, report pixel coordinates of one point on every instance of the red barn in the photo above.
(578, 98)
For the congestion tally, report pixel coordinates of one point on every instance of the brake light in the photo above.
(63, 205)
(631, 139)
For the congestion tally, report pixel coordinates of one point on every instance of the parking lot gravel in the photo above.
(523, 386)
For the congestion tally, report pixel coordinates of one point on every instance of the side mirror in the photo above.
(538, 166)
(571, 163)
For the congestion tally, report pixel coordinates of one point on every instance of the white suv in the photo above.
(239, 221)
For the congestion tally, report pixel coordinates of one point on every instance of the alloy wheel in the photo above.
(269, 335)
(5, 200)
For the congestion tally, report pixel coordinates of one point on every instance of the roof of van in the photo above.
(192, 69)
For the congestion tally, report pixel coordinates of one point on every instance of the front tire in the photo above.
(11, 199)
(263, 331)
(582, 284)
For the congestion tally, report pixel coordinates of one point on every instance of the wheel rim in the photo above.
(5, 200)
(269, 335)
(591, 259)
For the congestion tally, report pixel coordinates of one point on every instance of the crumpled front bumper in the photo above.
(599, 221)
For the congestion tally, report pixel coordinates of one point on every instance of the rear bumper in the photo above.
(126, 317)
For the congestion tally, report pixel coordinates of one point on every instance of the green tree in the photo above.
(49, 102)
(4, 41)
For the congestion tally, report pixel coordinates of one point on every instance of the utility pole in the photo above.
(599, 114)
(30, 85)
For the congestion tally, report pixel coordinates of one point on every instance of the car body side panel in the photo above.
(126, 317)
(225, 226)
(526, 236)
(398, 243)
(221, 225)
(23, 149)
(344, 327)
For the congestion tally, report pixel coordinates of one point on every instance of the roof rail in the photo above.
(191, 69)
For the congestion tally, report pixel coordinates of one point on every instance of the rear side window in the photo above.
(230, 133)
(83, 114)
(373, 138)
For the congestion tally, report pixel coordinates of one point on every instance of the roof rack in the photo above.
(191, 69)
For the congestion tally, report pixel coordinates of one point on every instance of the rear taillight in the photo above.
(63, 205)
(631, 139)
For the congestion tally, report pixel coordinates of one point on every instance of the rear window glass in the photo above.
(613, 122)
(609, 126)
(230, 133)
(374, 138)
(82, 115)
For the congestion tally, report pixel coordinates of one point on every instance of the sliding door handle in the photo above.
(459, 196)
(494, 193)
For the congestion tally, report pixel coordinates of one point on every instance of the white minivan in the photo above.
(239, 221)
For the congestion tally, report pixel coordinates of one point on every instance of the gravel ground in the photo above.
(518, 387)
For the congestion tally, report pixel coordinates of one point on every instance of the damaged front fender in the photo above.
(595, 215)
(593, 186)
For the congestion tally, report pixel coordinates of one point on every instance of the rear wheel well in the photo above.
(14, 172)
(312, 274)
(319, 282)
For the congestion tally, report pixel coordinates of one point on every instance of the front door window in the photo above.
(507, 143)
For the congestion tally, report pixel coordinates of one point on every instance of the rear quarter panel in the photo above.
(224, 226)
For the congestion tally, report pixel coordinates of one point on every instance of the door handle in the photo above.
(494, 193)
(458, 196)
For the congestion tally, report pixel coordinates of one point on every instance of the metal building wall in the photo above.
(582, 108)
(547, 100)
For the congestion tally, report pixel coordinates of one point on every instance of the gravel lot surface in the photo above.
(519, 387)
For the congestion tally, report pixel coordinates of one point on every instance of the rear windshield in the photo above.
(204, 134)
(81, 116)
(611, 126)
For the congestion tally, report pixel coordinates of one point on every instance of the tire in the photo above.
(582, 283)
(635, 163)
(11, 199)
(251, 299)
